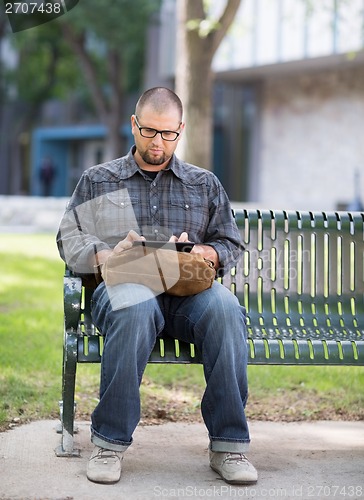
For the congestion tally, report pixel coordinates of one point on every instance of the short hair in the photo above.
(160, 99)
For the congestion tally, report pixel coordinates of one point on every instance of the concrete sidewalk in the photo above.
(295, 460)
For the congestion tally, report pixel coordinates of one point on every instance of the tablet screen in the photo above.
(180, 246)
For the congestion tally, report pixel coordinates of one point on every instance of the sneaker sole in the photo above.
(103, 482)
(232, 481)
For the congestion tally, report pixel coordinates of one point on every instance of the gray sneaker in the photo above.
(104, 466)
(234, 468)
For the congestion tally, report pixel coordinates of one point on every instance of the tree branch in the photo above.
(76, 42)
(225, 21)
(114, 67)
(33, 110)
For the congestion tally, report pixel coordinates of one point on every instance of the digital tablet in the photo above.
(180, 246)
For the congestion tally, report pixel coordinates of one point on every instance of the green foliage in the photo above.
(119, 25)
(203, 26)
(46, 66)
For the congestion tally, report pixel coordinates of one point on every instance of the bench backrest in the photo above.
(302, 273)
(301, 280)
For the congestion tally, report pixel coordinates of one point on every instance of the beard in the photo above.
(151, 159)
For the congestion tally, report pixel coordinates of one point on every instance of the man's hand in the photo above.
(183, 238)
(101, 257)
(207, 252)
(127, 242)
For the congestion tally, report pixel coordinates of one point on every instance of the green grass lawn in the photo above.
(30, 327)
(31, 336)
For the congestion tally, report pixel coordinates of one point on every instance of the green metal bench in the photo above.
(301, 280)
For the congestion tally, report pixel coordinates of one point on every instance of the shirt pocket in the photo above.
(115, 215)
(189, 212)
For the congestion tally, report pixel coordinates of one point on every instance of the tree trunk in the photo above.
(115, 108)
(109, 110)
(194, 77)
(113, 141)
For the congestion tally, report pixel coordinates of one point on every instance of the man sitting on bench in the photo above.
(151, 192)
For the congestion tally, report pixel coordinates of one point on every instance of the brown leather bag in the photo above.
(169, 271)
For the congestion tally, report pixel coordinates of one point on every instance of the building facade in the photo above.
(306, 62)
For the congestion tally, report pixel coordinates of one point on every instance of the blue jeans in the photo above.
(213, 320)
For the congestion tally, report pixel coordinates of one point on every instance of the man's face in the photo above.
(156, 151)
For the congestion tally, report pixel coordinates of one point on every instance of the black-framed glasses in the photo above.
(149, 133)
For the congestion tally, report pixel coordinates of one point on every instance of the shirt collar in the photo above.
(131, 167)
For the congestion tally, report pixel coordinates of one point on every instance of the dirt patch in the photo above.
(297, 406)
(161, 405)
(286, 406)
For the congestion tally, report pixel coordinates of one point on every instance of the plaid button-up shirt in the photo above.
(114, 197)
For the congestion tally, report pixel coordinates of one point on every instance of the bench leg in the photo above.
(66, 448)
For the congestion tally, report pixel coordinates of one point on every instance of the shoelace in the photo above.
(104, 454)
(235, 457)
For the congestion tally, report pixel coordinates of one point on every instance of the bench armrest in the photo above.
(72, 302)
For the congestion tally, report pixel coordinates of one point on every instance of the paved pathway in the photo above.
(320, 460)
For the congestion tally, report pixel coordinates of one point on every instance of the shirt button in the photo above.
(154, 184)
(187, 206)
(154, 207)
